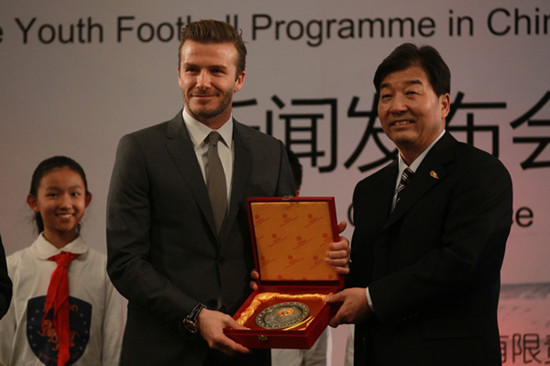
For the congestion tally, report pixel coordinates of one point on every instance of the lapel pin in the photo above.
(434, 175)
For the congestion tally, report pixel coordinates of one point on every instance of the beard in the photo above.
(210, 110)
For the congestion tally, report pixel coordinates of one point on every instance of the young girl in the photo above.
(64, 309)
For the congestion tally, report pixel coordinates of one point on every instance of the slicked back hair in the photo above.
(214, 31)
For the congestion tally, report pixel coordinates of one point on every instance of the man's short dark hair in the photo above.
(427, 57)
(214, 31)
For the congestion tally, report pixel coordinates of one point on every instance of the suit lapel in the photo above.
(180, 148)
(431, 171)
(241, 176)
(382, 201)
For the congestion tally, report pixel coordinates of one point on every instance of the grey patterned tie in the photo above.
(405, 178)
(215, 180)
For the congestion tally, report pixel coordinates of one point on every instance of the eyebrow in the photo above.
(408, 83)
(189, 64)
(56, 188)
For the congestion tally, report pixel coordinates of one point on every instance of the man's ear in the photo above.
(445, 103)
(239, 82)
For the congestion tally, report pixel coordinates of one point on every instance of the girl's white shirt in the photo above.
(30, 271)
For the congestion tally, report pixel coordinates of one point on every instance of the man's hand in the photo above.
(338, 252)
(211, 323)
(354, 309)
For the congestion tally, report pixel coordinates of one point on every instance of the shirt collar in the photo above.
(43, 249)
(198, 130)
(416, 163)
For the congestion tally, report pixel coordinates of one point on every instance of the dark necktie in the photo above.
(215, 180)
(58, 299)
(405, 178)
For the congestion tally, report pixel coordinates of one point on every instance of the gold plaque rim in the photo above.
(267, 320)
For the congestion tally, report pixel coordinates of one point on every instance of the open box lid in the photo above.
(290, 237)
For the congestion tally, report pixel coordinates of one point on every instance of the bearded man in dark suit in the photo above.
(427, 248)
(178, 241)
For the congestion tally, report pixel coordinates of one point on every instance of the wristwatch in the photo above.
(190, 321)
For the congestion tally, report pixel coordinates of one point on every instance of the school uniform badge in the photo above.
(43, 340)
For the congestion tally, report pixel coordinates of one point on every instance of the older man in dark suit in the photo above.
(177, 228)
(430, 231)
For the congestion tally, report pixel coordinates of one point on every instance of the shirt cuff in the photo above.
(369, 300)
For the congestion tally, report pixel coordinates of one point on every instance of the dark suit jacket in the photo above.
(163, 251)
(5, 283)
(433, 264)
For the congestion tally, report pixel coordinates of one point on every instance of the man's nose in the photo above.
(398, 104)
(203, 79)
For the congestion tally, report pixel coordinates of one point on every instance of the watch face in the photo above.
(190, 322)
(190, 325)
(282, 315)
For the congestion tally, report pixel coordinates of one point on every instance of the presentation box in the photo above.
(290, 237)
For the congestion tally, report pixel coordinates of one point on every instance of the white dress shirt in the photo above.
(198, 132)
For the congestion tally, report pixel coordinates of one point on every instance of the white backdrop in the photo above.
(75, 76)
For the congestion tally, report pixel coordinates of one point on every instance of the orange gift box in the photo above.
(290, 236)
